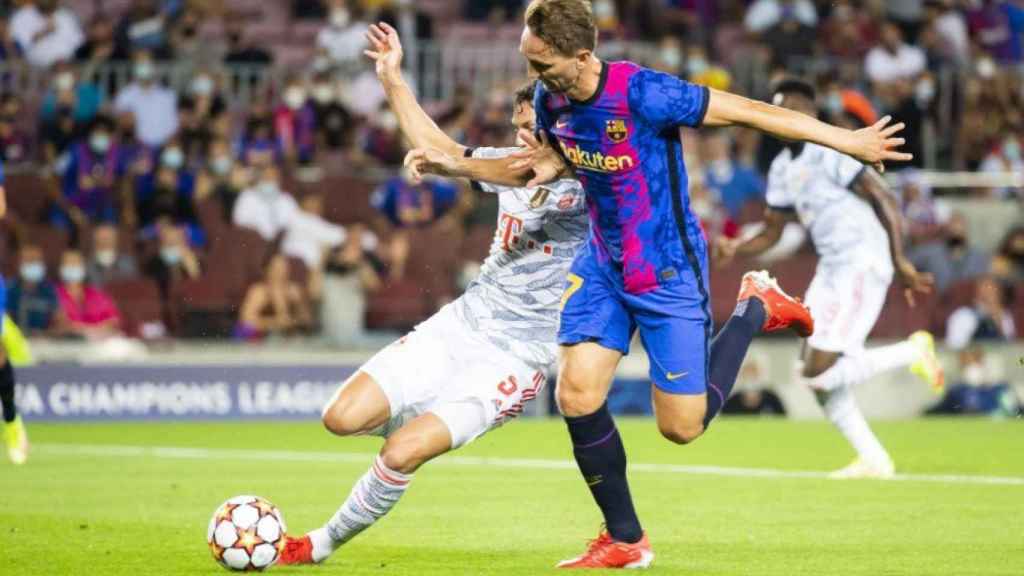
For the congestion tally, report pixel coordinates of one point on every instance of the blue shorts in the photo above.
(674, 320)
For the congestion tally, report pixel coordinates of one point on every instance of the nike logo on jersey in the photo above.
(561, 124)
(673, 376)
(594, 480)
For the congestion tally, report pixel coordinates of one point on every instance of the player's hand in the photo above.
(878, 144)
(539, 156)
(421, 161)
(386, 51)
(914, 281)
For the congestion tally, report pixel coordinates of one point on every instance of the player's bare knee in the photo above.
(575, 402)
(340, 418)
(681, 433)
(403, 454)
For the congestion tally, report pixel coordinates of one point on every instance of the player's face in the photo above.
(557, 72)
(524, 118)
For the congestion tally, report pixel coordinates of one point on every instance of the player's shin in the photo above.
(7, 392)
(851, 370)
(601, 458)
(728, 350)
(373, 496)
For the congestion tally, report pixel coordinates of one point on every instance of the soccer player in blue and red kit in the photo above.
(15, 438)
(645, 266)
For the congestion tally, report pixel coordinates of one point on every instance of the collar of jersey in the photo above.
(597, 93)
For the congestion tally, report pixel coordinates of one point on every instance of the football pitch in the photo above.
(747, 499)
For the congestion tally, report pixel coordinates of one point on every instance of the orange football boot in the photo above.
(604, 552)
(781, 310)
(296, 551)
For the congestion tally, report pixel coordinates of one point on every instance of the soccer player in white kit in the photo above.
(473, 365)
(856, 230)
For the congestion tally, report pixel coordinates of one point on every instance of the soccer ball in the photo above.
(246, 533)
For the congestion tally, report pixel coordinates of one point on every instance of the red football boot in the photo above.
(296, 551)
(781, 310)
(604, 552)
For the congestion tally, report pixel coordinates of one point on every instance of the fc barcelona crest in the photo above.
(616, 130)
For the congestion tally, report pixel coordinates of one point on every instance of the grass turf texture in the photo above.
(76, 514)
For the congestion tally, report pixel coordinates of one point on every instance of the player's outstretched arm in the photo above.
(873, 188)
(774, 223)
(873, 145)
(498, 171)
(421, 130)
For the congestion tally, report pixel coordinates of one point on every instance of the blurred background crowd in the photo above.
(229, 168)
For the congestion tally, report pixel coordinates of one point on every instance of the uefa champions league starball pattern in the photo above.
(246, 533)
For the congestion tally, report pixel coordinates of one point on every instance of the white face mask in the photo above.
(64, 81)
(834, 103)
(696, 66)
(671, 57)
(33, 272)
(294, 98)
(387, 121)
(99, 142)
(221, 165)
(170, 255)
(72, 274)
(974, 375)
(173, 158)
(202, 86)
(144, 71)
(106, 257)
(323, 93)
(267, 188)
(340, 17)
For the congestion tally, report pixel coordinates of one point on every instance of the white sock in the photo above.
(371, 498)
(842, 410)
(852, 370)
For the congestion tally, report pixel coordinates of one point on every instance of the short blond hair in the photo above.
(567, 26)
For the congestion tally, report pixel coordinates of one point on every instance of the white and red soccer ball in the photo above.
(246, 533)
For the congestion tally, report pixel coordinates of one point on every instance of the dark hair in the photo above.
(566, 25)
(524, 94)
(795, 86)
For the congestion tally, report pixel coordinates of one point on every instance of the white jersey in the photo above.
(816, 185)
(514, 302)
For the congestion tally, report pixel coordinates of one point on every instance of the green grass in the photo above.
(75, 514)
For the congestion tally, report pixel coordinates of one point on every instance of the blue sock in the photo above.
(728, 350)
(602, 461)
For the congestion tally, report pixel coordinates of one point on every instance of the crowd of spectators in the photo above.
(157, 174)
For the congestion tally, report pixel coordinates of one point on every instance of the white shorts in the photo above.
(845, 302)
(443, 368)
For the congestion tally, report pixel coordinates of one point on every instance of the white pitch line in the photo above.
(185, 453)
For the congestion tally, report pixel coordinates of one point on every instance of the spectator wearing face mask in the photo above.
(174, 261)
(31, 298)
(334, 123)
(264, 207)
(989, 318)
(167, 193)
(45, 32)
(108, 263)
(981, 389)
(382, 139)
(344, 37)
(952, 259)
(154, 107)
(227, 177)
(731, 183)
(86, 311)
(89, 178)
(199, 111)
(295, 124)
(66, 91)
(1006, 157)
